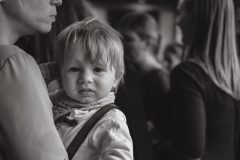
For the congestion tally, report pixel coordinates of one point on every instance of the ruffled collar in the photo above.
(63, 104)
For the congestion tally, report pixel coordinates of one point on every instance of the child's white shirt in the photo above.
(108, 140)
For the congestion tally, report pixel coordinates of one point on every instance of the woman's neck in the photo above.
(7, 33)
(8, 36)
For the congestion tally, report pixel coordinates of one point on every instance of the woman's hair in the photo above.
(144, 25)
(100, 43)
(213, 42)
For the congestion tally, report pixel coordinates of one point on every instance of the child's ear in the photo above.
(113, 89)
(115, 84)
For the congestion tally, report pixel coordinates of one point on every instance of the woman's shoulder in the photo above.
(189, 66)
(10, 51)
(190, 69)
(6, 52)
(188, 74)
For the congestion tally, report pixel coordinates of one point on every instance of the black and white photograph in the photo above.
(119, 79)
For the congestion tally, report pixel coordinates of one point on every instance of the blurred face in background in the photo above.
(134, 47)
(183, 20)
(31, 16)
(171, 60)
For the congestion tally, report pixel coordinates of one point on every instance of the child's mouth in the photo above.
(86, 92)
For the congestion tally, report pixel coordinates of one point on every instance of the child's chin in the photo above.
(87, 101)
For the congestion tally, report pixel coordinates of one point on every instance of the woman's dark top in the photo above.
(141, 99)
(203, 120)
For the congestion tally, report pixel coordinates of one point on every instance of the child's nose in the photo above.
(86, 77)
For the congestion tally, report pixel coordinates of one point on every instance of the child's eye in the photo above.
(99, 69)
(74, 69)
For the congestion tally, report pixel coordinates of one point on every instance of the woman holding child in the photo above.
(27, 130)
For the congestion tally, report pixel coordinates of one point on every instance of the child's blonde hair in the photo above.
(100, 42)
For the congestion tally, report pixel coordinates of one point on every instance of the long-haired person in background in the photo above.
(146, 81)
(27, 129)
(205, 89)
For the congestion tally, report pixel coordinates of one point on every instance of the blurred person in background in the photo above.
(173, 55)
(203, 117)
(145, 84)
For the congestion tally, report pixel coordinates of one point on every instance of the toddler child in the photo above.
(89, 55)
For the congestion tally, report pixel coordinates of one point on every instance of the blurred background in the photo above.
(41, 47)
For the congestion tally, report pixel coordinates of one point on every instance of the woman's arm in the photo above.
(26, 122)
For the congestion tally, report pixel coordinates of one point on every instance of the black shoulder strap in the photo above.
(83, 132)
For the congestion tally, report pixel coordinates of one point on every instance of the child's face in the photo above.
(83, 81)
(32, 16)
